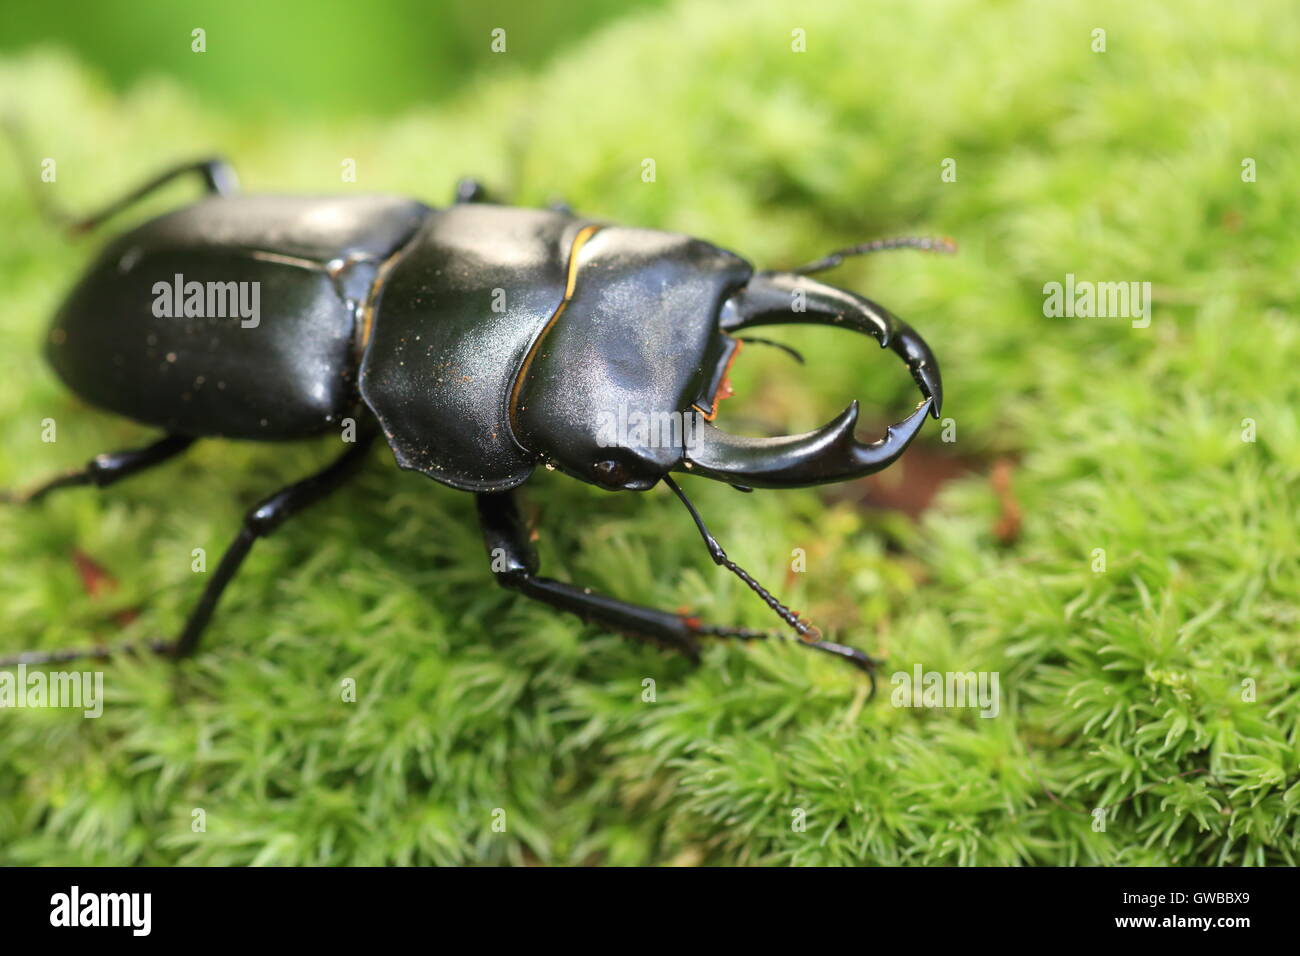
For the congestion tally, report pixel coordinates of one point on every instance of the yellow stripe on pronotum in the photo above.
(368, 311)
(570, 283)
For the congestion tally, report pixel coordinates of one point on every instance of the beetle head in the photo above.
(606, 391)
(622, 385)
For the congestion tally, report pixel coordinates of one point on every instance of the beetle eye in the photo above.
(609, 473)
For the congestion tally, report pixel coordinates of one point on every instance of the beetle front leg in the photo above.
(515, 565)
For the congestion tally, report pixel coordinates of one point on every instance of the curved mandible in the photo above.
(788, 298)
(830, 453)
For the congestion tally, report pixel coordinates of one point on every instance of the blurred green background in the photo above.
(296, 57)
(1161, 685)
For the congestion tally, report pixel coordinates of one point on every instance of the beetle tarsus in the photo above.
(104, 470)
(720, 558)
(863, 662)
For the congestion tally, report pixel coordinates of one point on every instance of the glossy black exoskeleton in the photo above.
(481, 340)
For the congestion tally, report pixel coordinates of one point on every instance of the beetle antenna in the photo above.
(809, 635)
(924, 243)
(807, 632)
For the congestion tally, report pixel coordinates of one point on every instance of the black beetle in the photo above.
(482, 340)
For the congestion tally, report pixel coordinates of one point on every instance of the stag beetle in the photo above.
(482, 340)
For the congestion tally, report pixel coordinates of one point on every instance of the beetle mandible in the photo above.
(480, 340)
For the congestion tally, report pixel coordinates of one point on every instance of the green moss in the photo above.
(1120, 689)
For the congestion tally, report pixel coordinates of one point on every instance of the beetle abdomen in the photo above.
(233, 317)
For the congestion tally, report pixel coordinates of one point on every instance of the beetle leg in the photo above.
(260, 521)
(515, 564)
(863, 662)
(469, 189)
(218, 178)
(104, 470)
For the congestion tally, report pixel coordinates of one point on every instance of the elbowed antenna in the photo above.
(809, 634)
(833, 259)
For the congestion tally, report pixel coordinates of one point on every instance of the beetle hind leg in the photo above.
(218, 177)
(104, 470)
(261, 520)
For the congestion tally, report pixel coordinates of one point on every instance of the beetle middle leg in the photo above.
(260, 520)
(104, 470)
(515, 565)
